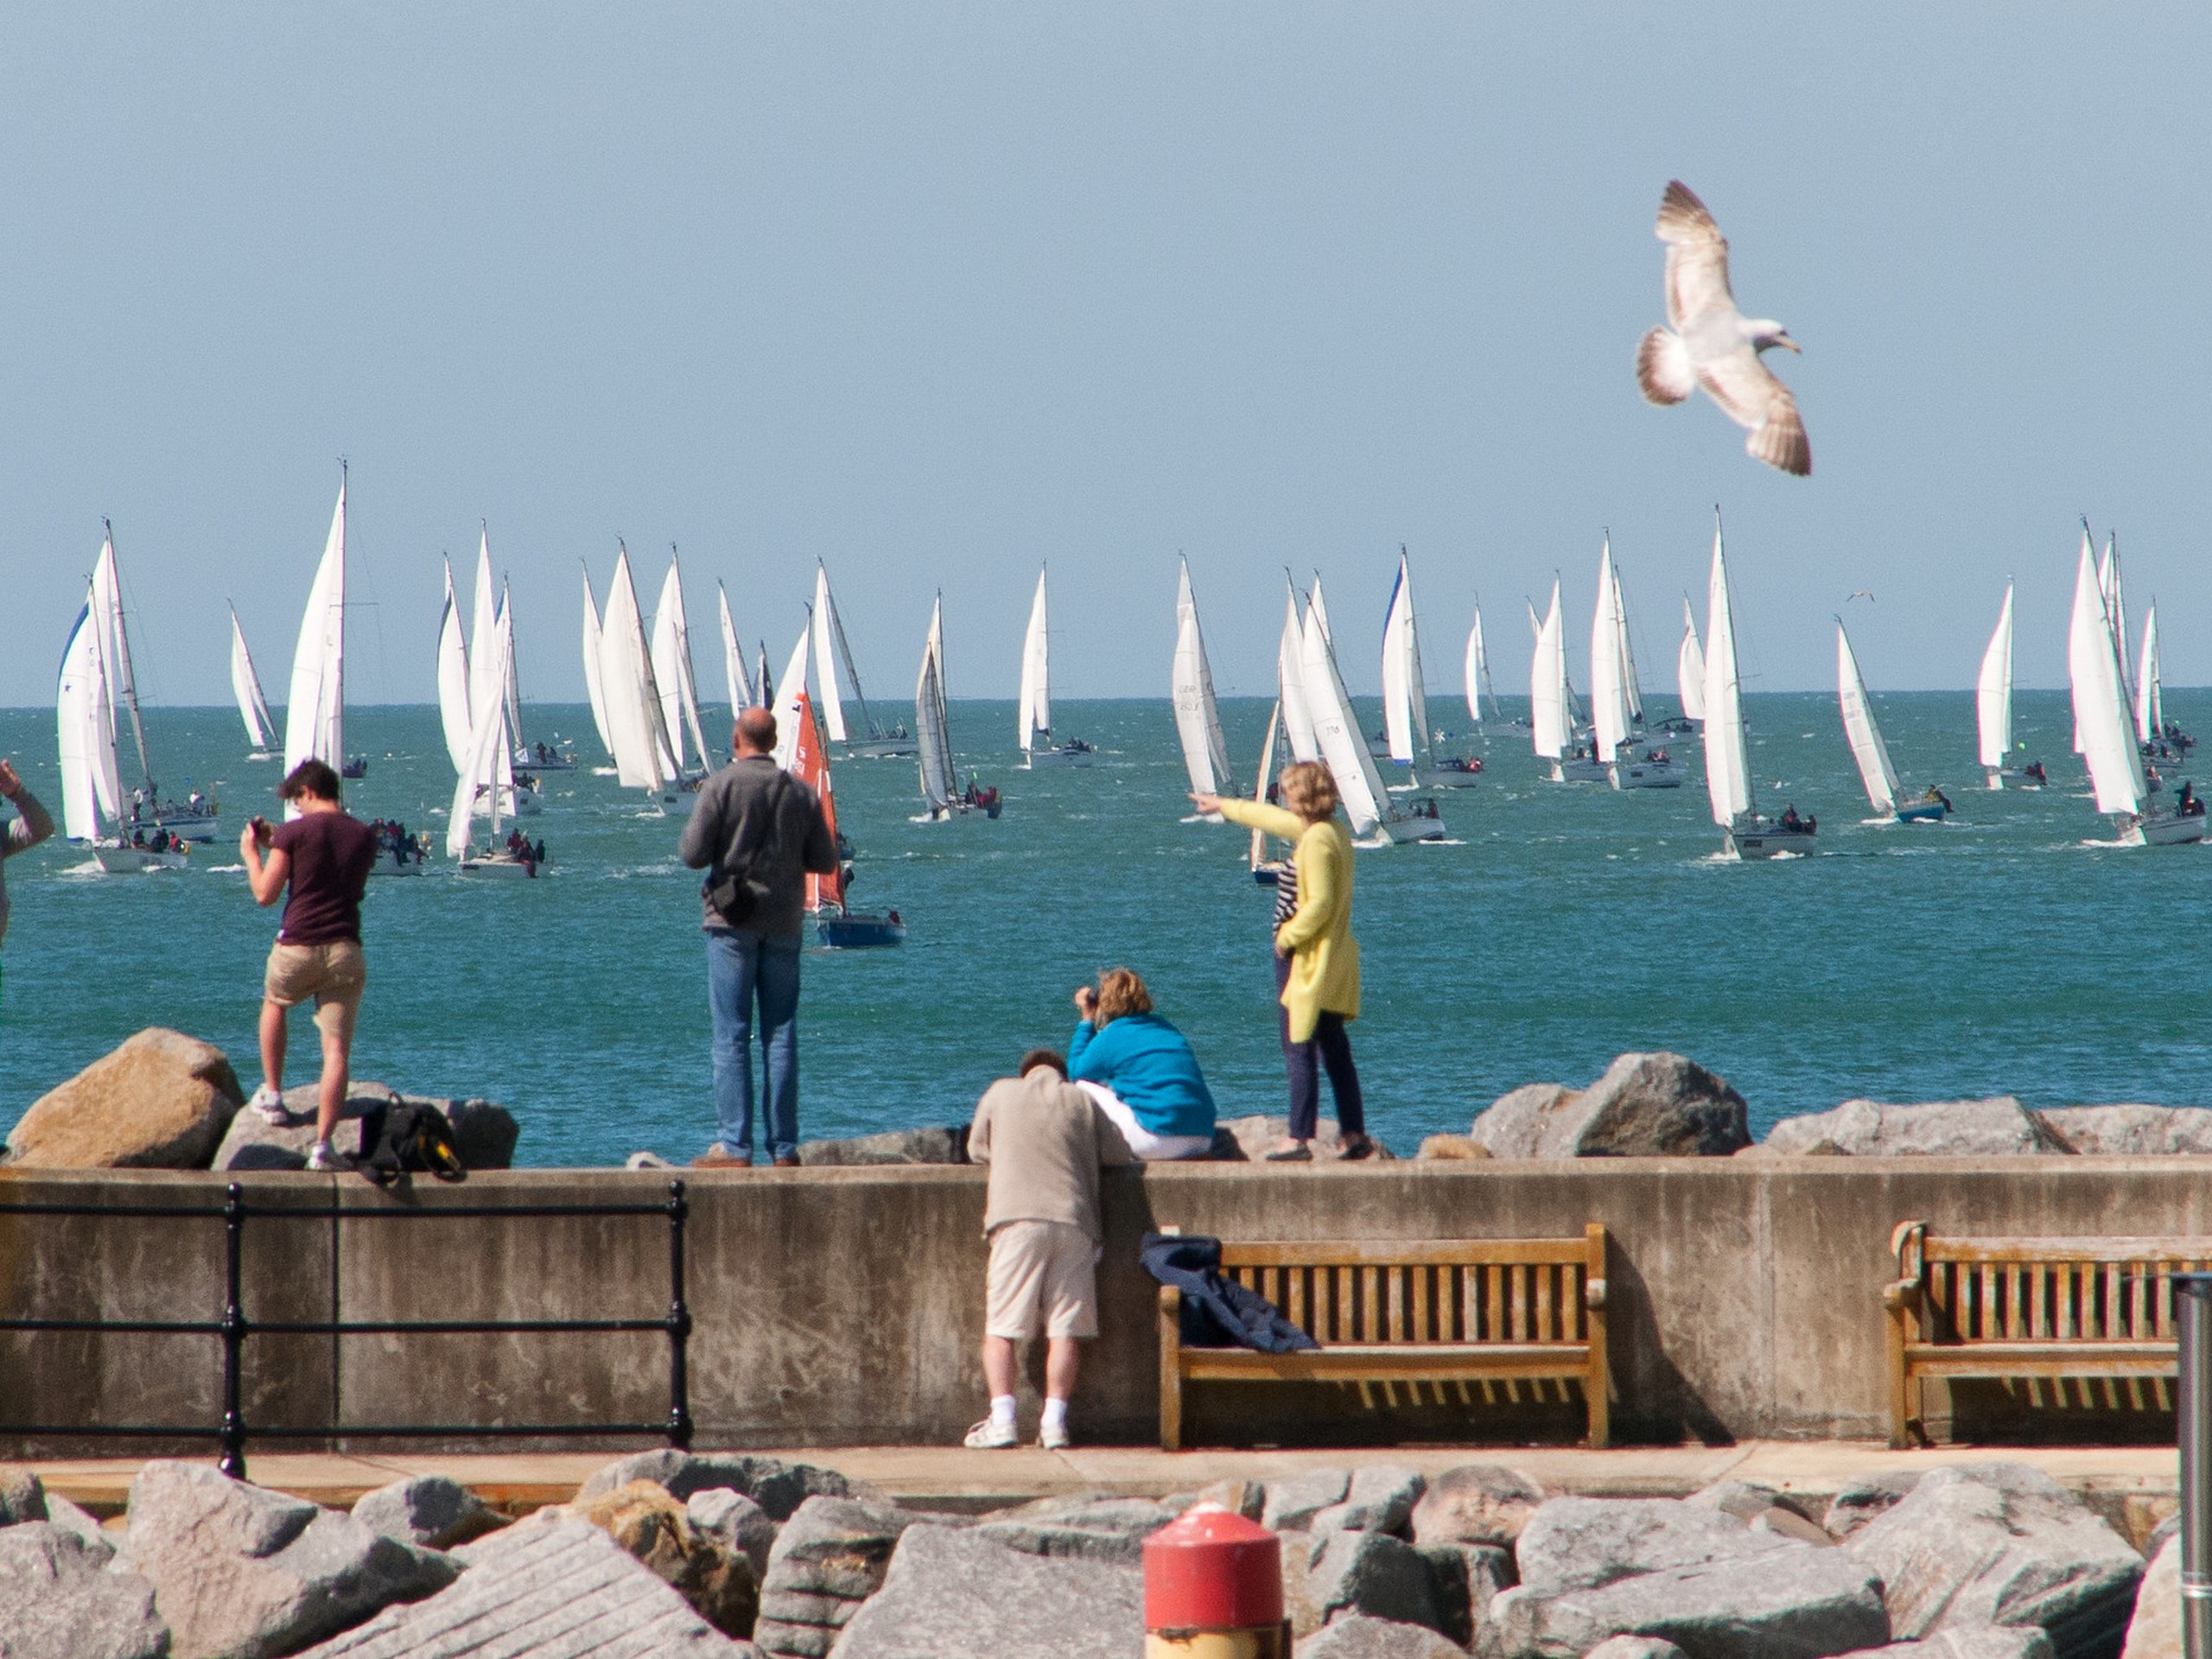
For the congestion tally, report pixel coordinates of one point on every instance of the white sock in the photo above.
(1002, 1410)
(1056, 1413)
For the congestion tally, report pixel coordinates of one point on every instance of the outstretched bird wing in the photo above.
(1697, 256)
(1748, 389)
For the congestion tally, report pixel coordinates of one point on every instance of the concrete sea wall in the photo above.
(842, 1305)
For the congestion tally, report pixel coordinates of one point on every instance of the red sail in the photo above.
(811, 766)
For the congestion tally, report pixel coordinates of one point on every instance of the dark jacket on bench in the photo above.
(1217, 1312)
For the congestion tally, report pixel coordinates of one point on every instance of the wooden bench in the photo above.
(1487, 1310)
(2029, 1307)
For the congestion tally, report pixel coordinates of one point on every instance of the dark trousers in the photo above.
(1331, 1047)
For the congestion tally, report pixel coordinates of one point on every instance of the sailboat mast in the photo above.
(845, 664)
(126, 681)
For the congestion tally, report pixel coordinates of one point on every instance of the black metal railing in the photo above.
(235, 1328)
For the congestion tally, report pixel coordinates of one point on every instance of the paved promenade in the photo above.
(952, 1477)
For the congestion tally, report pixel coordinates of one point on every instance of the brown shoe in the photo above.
(719, 1157)
(785, 1163)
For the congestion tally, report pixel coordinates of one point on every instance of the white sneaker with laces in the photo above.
(270, 1104)
(322, 1157)
(1054, 1436)
(991, 1435)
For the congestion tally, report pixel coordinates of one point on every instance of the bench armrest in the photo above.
(1593, 1293)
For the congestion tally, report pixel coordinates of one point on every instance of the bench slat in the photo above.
(1386, 1362)
(2064, 1250)
(1448, 1251)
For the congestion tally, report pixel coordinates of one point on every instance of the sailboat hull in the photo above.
(1068, 754)
(190, 826)
(1923, 812)
(498, 866)
(1581, 770)
(1765, 841)
(1646, 775)
(1401, 830)
(858, 932)
(2171, 830)
(134, 860)
(881, 749)
(1452, 773)
(388, 862)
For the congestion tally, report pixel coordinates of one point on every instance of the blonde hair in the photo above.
(1309, 790)
(1120, 992)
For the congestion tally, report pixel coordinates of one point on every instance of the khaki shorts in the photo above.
(333, 974)
(1043, 1273)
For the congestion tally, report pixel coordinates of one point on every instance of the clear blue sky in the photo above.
(937, 291)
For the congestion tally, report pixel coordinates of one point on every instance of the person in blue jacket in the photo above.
(1140, 1070)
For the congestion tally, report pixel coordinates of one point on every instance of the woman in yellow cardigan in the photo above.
(1317, 959)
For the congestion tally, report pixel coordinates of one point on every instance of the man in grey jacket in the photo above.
(758, 832)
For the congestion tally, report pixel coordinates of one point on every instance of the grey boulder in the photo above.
(2132, 1131)
(1371, 1573)
(484, 1133)
(1361, 1637)
(23, 1496)
(427, 1510)
(549, 1587)
(1763, 1509)
(1793, 1603)
(1379, 1498)
(952, 1591)
(57, 1600)
(1998, 1127)
(2001, 1544)
(830, 1557)
(1249, 1139)
(78, 1523)
(1096, 1526)
(1292, 1502)
(1989, 1642)
(1467, 1578)
(941, 1146)
(1634, 1647)
(2154, 1631)
(1646, 1105)
(778, 1487)
(1476, 1503)
(1857, 1502)
(735, 1522)
(1577, 1543)
(245, 1572)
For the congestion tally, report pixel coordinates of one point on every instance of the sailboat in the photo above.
(1868, 748)
(941, 796)
(593, 688)
(1615, 701)
(315, 712)
(1689, 670)
(1197, 714)
(1408, 738)
(835, 924)
(1551, 705)
(1376, 819)
(1035, 714)
(92, 790)
(790, 704)
(245, 686)
(193, 819)
(483, 775)
(1993, 707)
(734, 675)
(2164, 743)
(2101, 720)
(470, 680)
(1476, 670)
(636, 716)
(1744, 833)
(840, 680)
(1266, 868)
(679, 691)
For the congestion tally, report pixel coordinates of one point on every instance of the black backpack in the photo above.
(406, 1138)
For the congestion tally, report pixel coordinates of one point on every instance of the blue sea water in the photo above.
(2005, 952)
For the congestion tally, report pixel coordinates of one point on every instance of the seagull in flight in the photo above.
(1708, 342)
(1867, 594)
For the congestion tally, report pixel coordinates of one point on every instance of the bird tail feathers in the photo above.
(1662, 367)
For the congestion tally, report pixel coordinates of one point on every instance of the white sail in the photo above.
(1630, 688)
(1035, 712)
(830, 705)
(732, 656)
(482, 779)
(1727, 753)
(314, 714)
(1689, 667)
(1290, 684)
(2149, 703)
(2088, 550)
(115, 650)
(1405, 701)
(790, 706)
(453, 703)
(2115, 597)
(594, 687)
(933, 743)
(1609, 706)
(245, 686)
(1318, 608)
(1993, 691)
(1866, 737)
(85, 730)
(1342, 748)
(670, 646)
(1265, 777)
(634, 721)
(1548, 693)
(1476, 671)
(2108, 744)
(485, 684)
(515, 741)
(1198, 716)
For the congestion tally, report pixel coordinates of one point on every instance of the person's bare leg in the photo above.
(999, 1368)
(330, 1099)
(272, 1044)
(1063, 1358)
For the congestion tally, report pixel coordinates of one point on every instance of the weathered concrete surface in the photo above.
(1744, 1296)
(161, 1100)
(484, 1132)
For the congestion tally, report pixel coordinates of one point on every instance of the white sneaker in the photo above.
(270, 1104)
(1054, 1436)
(991, 1435)
(320, 1157)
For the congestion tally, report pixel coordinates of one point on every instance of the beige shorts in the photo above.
(1043, 1273)
(333, 974)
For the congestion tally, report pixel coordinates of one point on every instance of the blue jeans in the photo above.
(741, 967)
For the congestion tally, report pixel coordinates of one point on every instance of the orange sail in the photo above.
(811, 766)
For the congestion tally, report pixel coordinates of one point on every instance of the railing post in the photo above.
(679, 1325)
(234, 1332)
(2193, 1292)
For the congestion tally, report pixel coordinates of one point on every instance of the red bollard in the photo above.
(1213, 1589)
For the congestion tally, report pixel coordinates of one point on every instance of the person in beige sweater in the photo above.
(1044, 1141)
